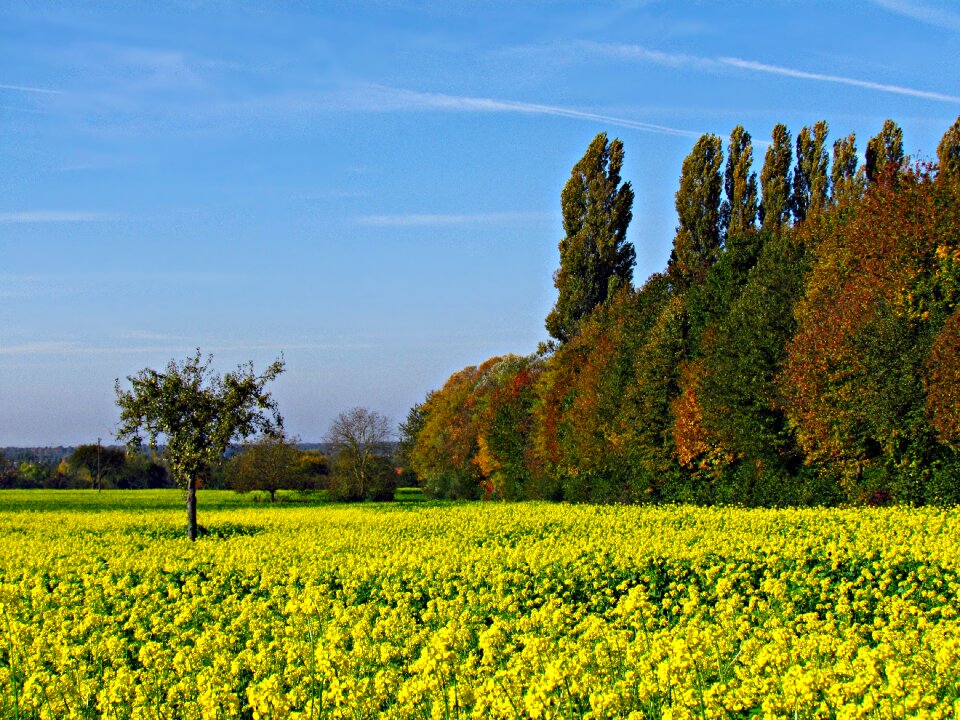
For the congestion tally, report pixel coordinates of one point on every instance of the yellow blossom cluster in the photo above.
(479, 610)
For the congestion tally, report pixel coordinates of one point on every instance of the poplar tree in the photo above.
(884, 156)
(697, 243)
(775, 180)
(948, 153)
(595, 257)
(846, 178)
(810, 176)
(738, 212)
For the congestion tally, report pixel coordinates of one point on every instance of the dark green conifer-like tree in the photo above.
(738, 212)
(697, 243)
(810, 176)
(775, 180)
(595, 257)
(884, 156)
(948, 153)
(846, 178)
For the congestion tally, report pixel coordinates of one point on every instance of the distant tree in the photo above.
(948, 153)
(884, 156)
(811, 178)
(738, 212)
(198, 413)
(8, 472)
(595, 257)
(697, 242)
(359, 437)
(848, 182)
(410, 429)
(775, 180)
(271, 463)
(107, 463)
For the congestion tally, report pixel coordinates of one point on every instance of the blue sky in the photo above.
(373, 188)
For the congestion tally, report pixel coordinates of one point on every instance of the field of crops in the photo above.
(474, 610)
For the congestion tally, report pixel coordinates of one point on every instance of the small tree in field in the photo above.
(270, 464)
(198, 413)
(359, 437)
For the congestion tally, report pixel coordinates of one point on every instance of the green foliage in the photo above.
(697, 242)
(848, 181)
(810, 176)
(595, 257)
(775, 181)
(738, 211)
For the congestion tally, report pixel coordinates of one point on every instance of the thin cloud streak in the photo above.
(28, 89)
(923, 13)
(426, 219)
(53, 216)
(789, 72)
(400, 99)
(675, 60)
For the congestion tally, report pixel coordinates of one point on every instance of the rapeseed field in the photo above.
(473, 610)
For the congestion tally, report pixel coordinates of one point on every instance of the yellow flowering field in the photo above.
(473, 610)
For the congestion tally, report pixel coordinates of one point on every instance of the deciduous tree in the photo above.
(697, 242)
(595, 257)
(775, 180)
(359, 437)
(738, 212)
(811, 181)
(198, 413)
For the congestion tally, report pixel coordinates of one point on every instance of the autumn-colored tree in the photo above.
(775, 180)
(697, 242)
(595, 256)
(879, 292)
(885, 160)
(811, 180)
(738, 211)
(504, 422)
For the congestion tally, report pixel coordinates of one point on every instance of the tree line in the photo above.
(801, 346)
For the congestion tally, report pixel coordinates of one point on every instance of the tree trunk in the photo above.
(192, 508)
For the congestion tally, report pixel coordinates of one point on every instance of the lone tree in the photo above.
(198, 413)
(359, 437)
(595, 257)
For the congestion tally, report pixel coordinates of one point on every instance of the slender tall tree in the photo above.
(738, 212)
(948, 153)
(595, 257)
(697, 243)
(884, 154)
(811, 179)
(846, 178)
(775, 180)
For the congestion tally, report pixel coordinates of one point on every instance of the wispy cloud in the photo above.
(922, 12)
(385, 99)
(679, 60)
(28, 89)
(802, 74)
(53, 216)
(420, 220)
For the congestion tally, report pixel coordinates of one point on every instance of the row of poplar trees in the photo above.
(802, 345)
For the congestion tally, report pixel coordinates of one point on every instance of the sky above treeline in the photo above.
(372, 189)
